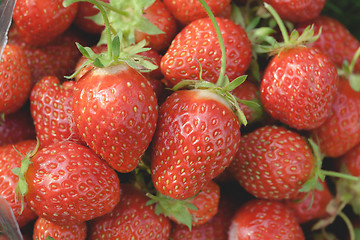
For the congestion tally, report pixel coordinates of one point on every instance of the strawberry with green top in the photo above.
(299, 83)
(67, 183)
(43, 229)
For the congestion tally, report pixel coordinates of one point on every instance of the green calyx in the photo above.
(120, 42)
(173, 208)
(347, 71)
(22, 186)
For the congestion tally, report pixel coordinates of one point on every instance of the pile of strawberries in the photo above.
(176, 119)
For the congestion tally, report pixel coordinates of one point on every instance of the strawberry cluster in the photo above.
(175, 119)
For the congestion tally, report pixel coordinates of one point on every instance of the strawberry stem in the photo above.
(279, 22)
(349, 225)
(221, 79)
(353, 61)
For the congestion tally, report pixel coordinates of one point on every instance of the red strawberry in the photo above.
(273, 163)
(197, 44)
(17, 127)
(9, 159)
(264, 219)
(44, 228)
(37, 22)
(51, 109)
(341, 130)
(15, 79)
(186, 12)
(196, 139)
(335, 40)
(69, 184)
(132, 218)
(297, 10)
(57, 58)
(299, 86)
(115, 110)
(160, 16)
(314, 206)
(82, 21)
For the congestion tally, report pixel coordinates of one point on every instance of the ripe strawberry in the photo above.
(335, 40)
(186, 12)
(17, 127)
(196, 139)
(197, 44)
(57, 58)
(298, 10)
(132, 218)
(273, 163)
(314, 206)
(51, 109)
(159, 15)
(15, 79)
(264, 219)
(299, 86)
(115, 110)
(82, 21)
(37, 22)
(69, 184)
(44, 228)
(9, 159)
(341, 130)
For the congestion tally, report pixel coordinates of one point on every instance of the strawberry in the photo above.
(115, 110)
(57, 58)
(37, 23)
(197, 46)
(15, 79)
(335, 40)
(313, 206)
(17, 127)
(68, 183)
(51, 109)
(273, 163)
(9, 159)
(298, 87)
(186, 12)
(264, 219)
(196, 139)
(82, 21)
(132, 218)
(341, 130)
(44, 228)
(159, 15)
(298, 10)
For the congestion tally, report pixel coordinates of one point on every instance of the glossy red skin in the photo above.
(131, 219)
(44, 228)
(15, 79)
(196, 139)
(351, 161)
(37, 23)
(51, 108)
(335, 40)
(206, 202)
(247, 91)
(341, 131)
(69, 184)
(57, 58)
(297, 10)
(17, 127)
(186, 12)
(198, 42)
(309, 209)
(160, 16)
(261, 219)
(85, 10)
(10, 159)
(299, 86)
(115, 110)
(273, 163)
